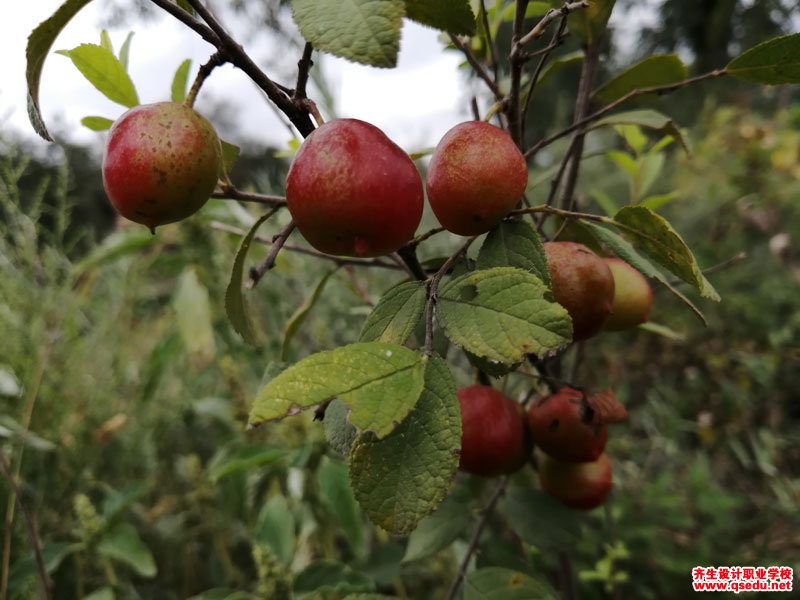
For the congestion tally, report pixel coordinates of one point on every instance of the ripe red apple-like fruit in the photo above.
(582, 283)
(161, 163)
(563, 427)
(352, 191)
(475, 178)
(583, 486)
(494, 439)
(633, 296)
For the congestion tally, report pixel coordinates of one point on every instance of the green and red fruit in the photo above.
(494, 438)
(582, 486)
(563, 426)
(353, 192)
(583, 284)
(477, 175)
(633, 296)
(161, 163)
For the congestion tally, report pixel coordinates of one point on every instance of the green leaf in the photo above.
(772, 62)
(230, 154)
(222, 593)
(623, 249)
(438, 530)
(337, 495)
(660, 69)
(380, 383)
(396, 315)
(236, 306)
(558, 63)
(654, 236)
(24, 569)
(497, 583)
(276, 528)
(663, 331)
(364, 31)
(97, 123)
(123, 544)
(502, 314)
(402, 478)
(649, 119)
(589, 24)
(113, 247)
(10, 429)
(125, 51)
(105, 41)
(104, 593)
(339, 432)
(541, 520)
(105, 72)
(299, 316)
(10, 386)
(514, 244)
(227, 462)
(195, 321)
(454, 16)
(322, 578)
(39, 43)
(659, 200)
(179, 81)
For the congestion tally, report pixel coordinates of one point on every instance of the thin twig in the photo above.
(231, 193)
(33, 530)
(486, 513)
(512, 107)
(566, 576)
(489, 41)
(728, 262)
(256, 273)
(658, 89)
(184, 17)
(480, 70)
(303, 69)
(550, 16)
(214, 61)
(408, 254)
(339, 260)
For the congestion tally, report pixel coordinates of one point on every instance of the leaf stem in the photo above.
(214, 61)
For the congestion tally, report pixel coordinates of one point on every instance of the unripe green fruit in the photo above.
(633, 296)
(161, 163)
(582, 283)
(477, 175)
(562, 427)
(494, 438)
(353, 192)
(583, 486)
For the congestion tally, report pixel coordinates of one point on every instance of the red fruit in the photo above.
(578, 485)
(161, 163)
(633, 296)
(582, 283)
(476, 177)
(352, 191)
(562, 426)
(494, 440)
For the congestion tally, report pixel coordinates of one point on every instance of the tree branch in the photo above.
(256, 273)
(550, 16)
(303, 68)
(480, 70)
(203, 72)
(231, 193)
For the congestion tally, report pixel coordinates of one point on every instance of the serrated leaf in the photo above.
(276, 528)
(299, 316)
(654, 236)
(514, 244)
(336, 493)
(97, 123)
(396, 315)
(497, 583)
(236, 306)
(589, 24)
(650, 119)
(105, 72)
(623, 249)
(437, 531)
(123, 544)
(380, 383)
(39, 43)
(402, 478)
(339, 432)
(364, 31)
(179, 81)
(660, 69)
(453, 16)
(125, 51)
(325, 577)
(772, 62)
(541, 520)
(490, 367)
(195, 322)
(502, 314)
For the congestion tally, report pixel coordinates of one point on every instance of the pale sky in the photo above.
(391, 99)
